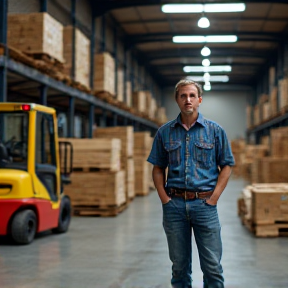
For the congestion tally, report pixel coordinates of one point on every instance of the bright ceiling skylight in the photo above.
(224, 68)
(199, 8)
(205, 39)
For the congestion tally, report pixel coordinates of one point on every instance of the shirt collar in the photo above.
(200, 120)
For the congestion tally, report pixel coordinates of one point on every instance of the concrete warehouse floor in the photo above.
(130, 251)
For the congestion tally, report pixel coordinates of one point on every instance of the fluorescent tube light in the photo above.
(199, 8)
(205, 51)
(213, 78)
(206, 62)
(205, 39)
(207, 87)
(203, 22)
(225, 68)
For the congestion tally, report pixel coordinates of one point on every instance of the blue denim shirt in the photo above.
(192, 156)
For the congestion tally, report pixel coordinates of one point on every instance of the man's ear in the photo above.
(200, 99)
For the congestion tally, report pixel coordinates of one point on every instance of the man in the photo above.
(199, 159)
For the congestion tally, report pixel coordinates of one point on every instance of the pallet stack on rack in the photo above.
(263, 209)
(143, 169)
(125, 134)
(98, 183)
(82, 54)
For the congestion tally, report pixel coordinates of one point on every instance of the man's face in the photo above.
(188, 100)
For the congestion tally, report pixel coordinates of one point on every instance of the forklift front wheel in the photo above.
(23, 228)
(64, 216)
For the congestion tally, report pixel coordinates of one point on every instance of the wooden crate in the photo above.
(283, 93)
(130, 179)
(36, 33)
(270, 204)
(82, 55)
(128, 93)
(266, 111)
(161, 115)
(274, 169)
(142, 180)
(274, 101)
(125, 133)
(142, 143)
(104, 74)
(120, 84)
(279, 142)
(249, 122)
(97, 189)
(139, 100)
(256, 115)
(96, 153)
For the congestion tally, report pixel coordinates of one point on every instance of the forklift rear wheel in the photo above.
(64, 216)
(23, 228)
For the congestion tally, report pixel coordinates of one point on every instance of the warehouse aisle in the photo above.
(130, 251)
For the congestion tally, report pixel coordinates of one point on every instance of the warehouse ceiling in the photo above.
(261, 31)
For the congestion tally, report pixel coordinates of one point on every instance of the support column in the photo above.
(125, 76)
(103, 33)
(115, 58)
(71, 117)
(103, 119)
(91, 120)
(3, 40)
(43, 6)
(115, 119)
(43, 94)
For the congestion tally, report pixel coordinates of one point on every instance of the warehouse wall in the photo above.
(225, 108)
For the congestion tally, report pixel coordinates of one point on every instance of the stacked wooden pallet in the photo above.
(238, 148)
(139, 101)
(143, 169)
(82, 54)
(98, 184)
(263, 209)
(36, 33)
(104, 74)
(125, 134)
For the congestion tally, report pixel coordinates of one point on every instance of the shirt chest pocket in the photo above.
(174, 152)
(204, 154)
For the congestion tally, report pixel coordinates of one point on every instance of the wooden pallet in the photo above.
(103, 211)
(271, 230)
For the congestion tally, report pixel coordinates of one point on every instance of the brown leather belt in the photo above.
(188, 195)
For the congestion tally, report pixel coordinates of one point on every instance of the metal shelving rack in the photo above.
(10, 68)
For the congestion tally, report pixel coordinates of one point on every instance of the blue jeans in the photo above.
(179, 217)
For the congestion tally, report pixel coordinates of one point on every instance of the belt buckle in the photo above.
(196, 195)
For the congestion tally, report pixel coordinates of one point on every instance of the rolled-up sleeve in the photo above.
(158, 155)
(224, 152)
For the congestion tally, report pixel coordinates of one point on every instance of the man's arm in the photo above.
(159, 177)
(221, 184)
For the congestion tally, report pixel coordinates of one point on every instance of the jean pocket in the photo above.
(209, 205)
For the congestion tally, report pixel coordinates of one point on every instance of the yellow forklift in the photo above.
(34, 166)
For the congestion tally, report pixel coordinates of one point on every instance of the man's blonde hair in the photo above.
(185, 82)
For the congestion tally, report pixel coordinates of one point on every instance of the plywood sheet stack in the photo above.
(125, 134)
(249, 122)
(36, 33)
(128, 93)
(283, 93)
(98, 183)
(104, 74)
(265, 210)
(161, 115)
(274, 101)
(279, 142)
(143, 169)
(251, 154)
(120, 84)
(82, 54)
(139, 100)
(238, 148)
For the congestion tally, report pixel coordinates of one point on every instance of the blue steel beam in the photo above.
(43, 94)
(43, 6)
(71, 117)
(92, 51)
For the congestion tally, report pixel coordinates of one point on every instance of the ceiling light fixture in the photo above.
(206, 62)
(224, 68)
(199, 8)
(207, 86)
(205, 51)
(203, 22)
(205, 39)
(213, 78)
